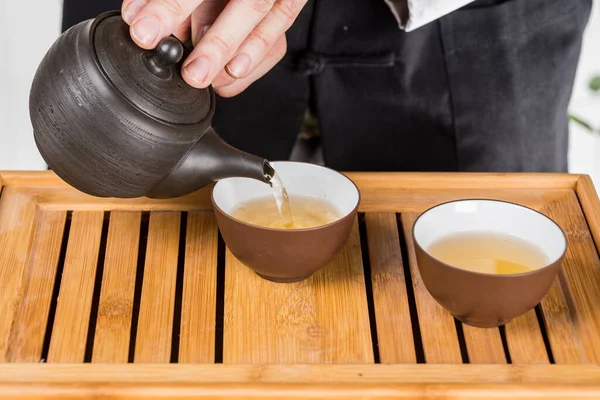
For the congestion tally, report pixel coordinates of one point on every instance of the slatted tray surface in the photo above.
(141, 298)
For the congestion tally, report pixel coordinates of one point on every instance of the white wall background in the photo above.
(584, 150)
(28, 28)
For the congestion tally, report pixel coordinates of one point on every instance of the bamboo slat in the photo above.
(406, 200)
(394, 328)
(67, 198)
(198, 314)
(17, 214)
(438, 331)
(155, 323)
(323, 319)
(290, 381)
(564, 339)
(395, 180)
(27, 335)
(484, 346)
(113, 326)
(587, 196)
(250, 391)
(390, 192)
(300, 373)
(525, 341)
(71, 322)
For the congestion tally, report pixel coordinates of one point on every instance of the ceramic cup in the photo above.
(282, 255)
(484, 299)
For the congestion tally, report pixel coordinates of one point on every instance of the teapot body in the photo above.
(91, 135)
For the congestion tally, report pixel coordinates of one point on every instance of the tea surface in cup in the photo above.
(306, 212)
(488, 252)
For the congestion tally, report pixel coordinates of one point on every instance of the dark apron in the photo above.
(485, 88)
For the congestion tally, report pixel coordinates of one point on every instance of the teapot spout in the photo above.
(210, 160)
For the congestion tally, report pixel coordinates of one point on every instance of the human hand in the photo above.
(236, 41)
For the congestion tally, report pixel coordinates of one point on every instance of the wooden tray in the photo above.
(136, 299)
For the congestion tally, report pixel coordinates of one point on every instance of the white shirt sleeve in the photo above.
(412, 14)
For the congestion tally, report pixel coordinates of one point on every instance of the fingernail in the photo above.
(201, 33)
(239, 65)
(133, 9)
(146, 29)
(198, 69)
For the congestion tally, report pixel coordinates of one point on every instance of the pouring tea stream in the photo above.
(114, 120)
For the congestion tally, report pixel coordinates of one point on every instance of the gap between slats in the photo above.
(220, 301)
(89, 348)
(175, 339)
(139, 280)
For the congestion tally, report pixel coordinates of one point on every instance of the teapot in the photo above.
(114, 120)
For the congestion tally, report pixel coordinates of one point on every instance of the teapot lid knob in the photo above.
(169, 51)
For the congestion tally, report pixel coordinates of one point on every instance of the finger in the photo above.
(262, 39)
(222, 40)
(223, 79)
(183, 31)
(157, 19)
(204, 16)
(130, 8)
(276, 54)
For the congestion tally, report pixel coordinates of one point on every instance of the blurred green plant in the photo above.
(594, 86)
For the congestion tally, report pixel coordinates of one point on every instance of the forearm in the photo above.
(412, 14)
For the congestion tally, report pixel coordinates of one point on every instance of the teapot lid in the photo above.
(149, 79)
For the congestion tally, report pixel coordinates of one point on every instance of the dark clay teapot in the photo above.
(115, 120)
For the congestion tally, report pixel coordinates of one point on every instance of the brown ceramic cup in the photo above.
(486, 299)
(287, 255)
